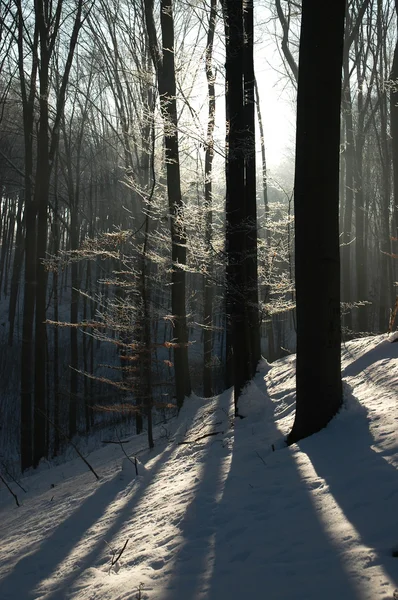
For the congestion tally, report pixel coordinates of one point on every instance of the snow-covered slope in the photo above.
(221, 509)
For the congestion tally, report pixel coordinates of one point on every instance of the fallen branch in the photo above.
(10, 490)
(261, 458)
(114, 560)
(13, 478)
(116, 442)
(128, 458)
(201, 437)
(60, 431)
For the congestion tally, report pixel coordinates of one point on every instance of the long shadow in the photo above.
(382, 351)
(198, 528)
(270, 541)
(23, 581)
(367, 496)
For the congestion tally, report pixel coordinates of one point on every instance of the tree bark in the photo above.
(165, 71)
(394, 121)
(28, 93)
(16, 273)
(269, 325)
(318, 370)
(349, 158)
(251, 275)
(235, 199)
(208, 201)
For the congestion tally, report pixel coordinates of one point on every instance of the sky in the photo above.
(277, 96)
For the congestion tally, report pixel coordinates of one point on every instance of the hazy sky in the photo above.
(277, 95)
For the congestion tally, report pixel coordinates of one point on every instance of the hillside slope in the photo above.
(221, 509)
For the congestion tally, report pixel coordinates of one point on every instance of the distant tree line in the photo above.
(144, 254)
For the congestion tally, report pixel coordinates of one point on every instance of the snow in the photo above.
(235, 515)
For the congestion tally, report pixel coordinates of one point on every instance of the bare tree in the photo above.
(318, 369)
(163, 60)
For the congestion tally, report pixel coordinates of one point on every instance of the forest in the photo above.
(147, 252)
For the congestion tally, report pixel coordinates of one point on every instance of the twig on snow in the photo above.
(10, 490)
(114, 560)
(13, 478)
(261, 458)
(61, 432)
(201, 437)
(127, 456)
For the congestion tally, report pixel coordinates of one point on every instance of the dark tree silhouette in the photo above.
(164, 64)
(208, 200)
(251, 271)
(394, 122)
(235, 194)
(241, 207)
(316, 200)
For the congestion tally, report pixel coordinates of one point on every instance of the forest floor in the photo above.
(221, 509)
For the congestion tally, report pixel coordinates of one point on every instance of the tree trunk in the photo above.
(360, 247)
(207, 284)
(251, 275)
(394, 123)
(229, 367)
(28, 96)
(165, 70)
(16, 273)
(318, 370)
(56, 417)
(41, 201)
(235, 204)
(74, 317)
(386, 287)
(349, 157)
(269, 324)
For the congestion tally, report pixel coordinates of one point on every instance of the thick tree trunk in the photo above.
(235, 205)
(318, 371)
(386, 281)
(28, 93)
(229, 367)
(178, 235)
(165, 70)
(27, 336)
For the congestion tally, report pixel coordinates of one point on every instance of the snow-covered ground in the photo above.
(230, 516)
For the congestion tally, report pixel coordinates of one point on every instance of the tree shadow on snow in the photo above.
(382, 351)
(270, 542)
(244, 539)
(368, 496)
(199, 525)
(24, 581)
